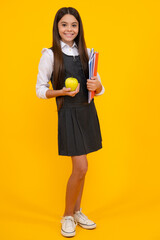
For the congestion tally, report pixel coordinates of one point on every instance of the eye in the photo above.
(63, 24)
(74, 25)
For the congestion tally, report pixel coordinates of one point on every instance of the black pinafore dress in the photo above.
(78, 124)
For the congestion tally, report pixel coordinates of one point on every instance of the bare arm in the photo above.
(53, 93)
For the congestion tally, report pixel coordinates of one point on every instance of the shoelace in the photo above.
(68, 219)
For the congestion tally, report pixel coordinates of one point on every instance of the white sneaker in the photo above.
(68, 226)
(83, 220)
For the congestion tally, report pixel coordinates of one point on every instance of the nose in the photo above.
(69, 28)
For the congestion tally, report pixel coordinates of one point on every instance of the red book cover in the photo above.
(95, 71)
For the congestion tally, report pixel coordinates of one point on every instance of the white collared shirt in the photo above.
(45, 68)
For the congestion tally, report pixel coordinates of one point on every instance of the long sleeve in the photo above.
(45, 69)
(103, 89)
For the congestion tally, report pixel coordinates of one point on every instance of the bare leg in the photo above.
(78, 202)
(75, 183)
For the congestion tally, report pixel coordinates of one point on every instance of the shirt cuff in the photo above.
(41, 93)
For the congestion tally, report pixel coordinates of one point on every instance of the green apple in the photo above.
(72, 83)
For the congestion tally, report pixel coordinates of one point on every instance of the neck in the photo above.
(69, 43)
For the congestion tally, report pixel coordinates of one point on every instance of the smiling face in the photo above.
(68, 28)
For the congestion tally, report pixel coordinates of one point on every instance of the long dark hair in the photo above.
(58, 66)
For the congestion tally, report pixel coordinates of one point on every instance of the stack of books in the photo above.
(93, 64)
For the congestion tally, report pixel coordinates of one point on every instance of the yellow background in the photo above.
(122, 186)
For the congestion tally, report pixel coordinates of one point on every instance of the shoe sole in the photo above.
(87, 226)
(70, 234)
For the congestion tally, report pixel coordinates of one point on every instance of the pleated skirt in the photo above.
(79, 130)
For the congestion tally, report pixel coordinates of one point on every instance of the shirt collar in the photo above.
(63, 44)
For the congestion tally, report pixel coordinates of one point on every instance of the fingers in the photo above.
(92, 84)
(78, 87)
(94, 78)
(91, 87)
(91, 80)
(72, 93)
(66, 89)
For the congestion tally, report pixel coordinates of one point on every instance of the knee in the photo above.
(81, 172)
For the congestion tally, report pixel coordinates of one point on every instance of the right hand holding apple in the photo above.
(68, 92)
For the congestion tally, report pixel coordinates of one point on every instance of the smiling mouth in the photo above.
(69, 34)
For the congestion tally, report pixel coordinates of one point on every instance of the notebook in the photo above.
(92, 64)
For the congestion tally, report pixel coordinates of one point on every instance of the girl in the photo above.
(78, 125)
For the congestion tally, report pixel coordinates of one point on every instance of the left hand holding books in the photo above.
(93, 84)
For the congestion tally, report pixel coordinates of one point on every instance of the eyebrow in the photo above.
(66, 22)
